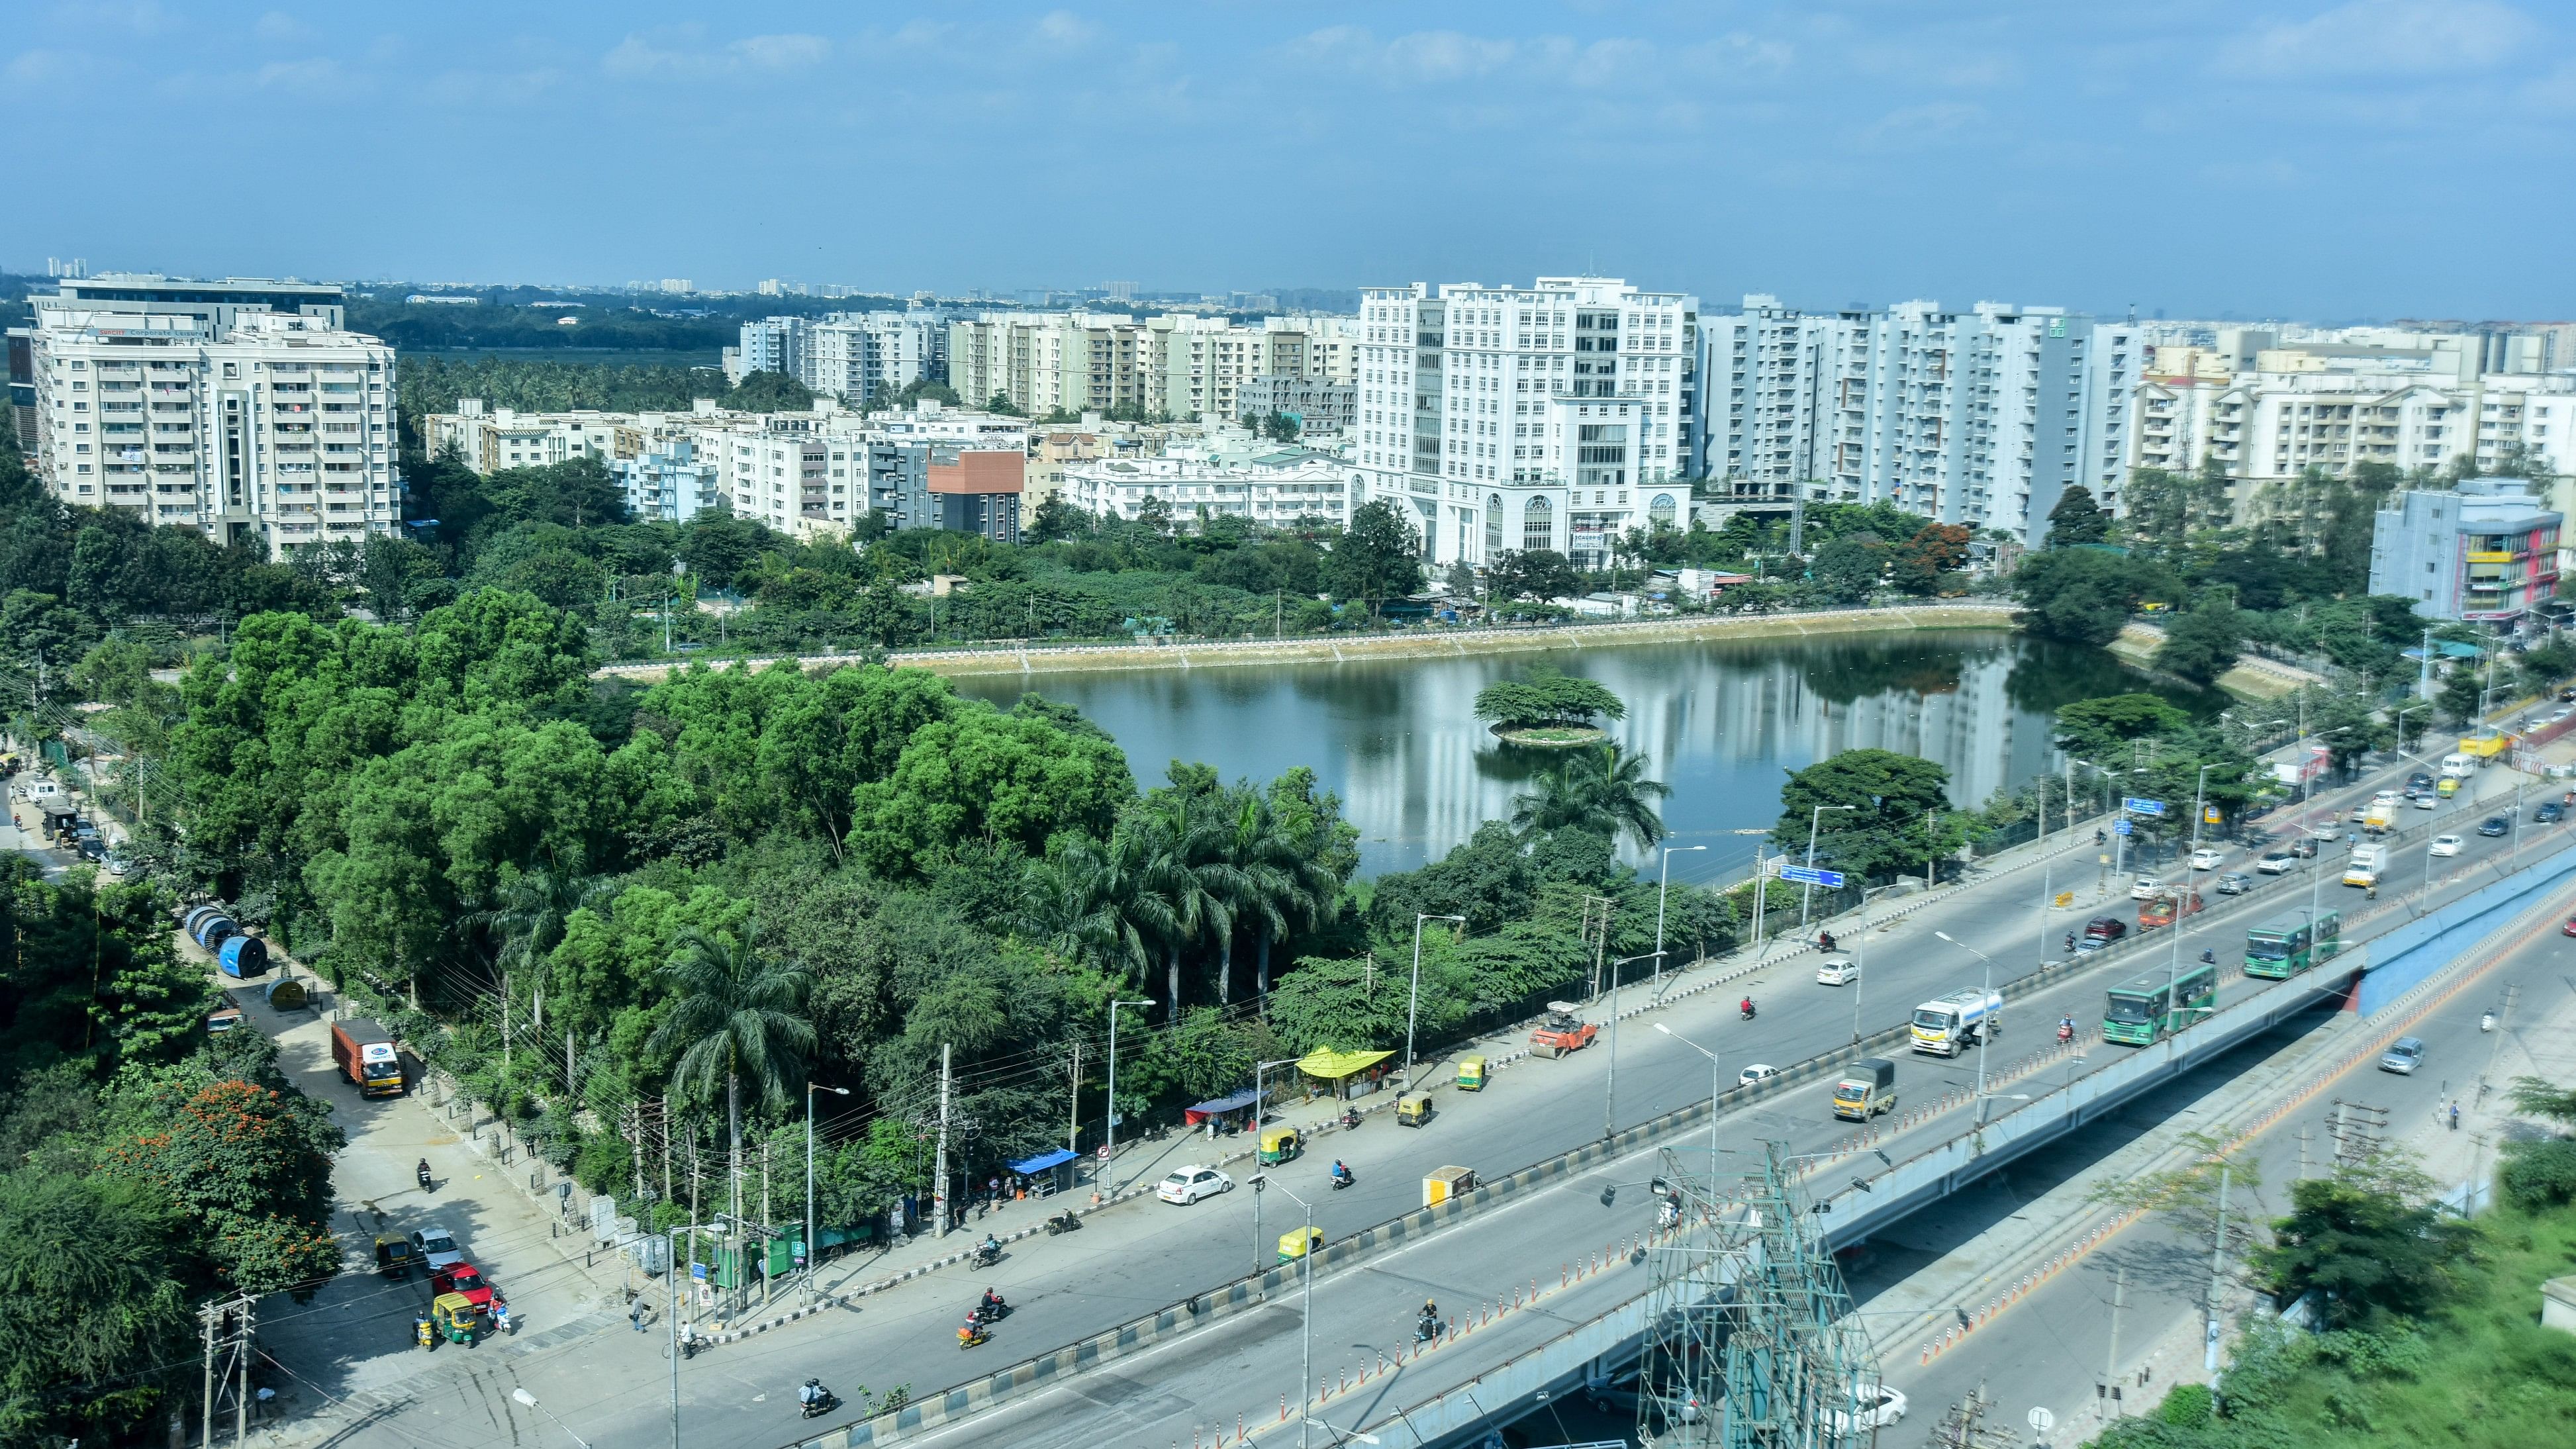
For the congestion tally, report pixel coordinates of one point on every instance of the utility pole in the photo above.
(939, 1189)
(1073, 1125)
(505, 1022)
(2217, 1266)
(2111, 1365)
(207, 1317)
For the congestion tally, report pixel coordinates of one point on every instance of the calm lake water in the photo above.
(1722, 720)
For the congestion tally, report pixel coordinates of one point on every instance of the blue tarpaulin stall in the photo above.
(1240, 1101)
(1049, 1172)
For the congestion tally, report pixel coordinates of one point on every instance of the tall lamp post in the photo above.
(1716, 1070)
(1413, 997)
(1984, 1036)
(1109, 1143)
(1306, 1309)
(2190, 890)
(813, 1255)
(1610, 1092)
(1807, 894)
(530, 1400)
(1662, 887)
(1257, 1069)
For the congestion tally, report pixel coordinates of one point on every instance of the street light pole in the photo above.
(813, 1255)
(1306, 1310)
(1257, 1069)
(1413, 998)
(1985, 1032)
(530, 1400)
(1661, 888)
(1715, 1068)
(2190, 892)
(1807, 892)
(1610, 1093)
(1109, 1143)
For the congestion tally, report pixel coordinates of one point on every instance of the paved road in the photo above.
(1140, 1258)
(2054, 1347)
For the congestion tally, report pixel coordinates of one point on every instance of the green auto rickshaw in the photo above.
(1280, 1144)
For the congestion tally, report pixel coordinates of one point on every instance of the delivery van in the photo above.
(2366, 864)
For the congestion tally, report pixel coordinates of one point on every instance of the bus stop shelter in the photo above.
(1048, 1172)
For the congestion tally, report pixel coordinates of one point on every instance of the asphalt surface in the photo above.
(2051, 1350)
(613, 1387)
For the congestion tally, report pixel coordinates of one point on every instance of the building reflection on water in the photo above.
(1723, 722)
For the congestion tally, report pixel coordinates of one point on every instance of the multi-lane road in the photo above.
(1141, 1257)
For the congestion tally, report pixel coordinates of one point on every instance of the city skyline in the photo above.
(2275, 160)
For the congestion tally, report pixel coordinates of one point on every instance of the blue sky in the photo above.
(2371, 158)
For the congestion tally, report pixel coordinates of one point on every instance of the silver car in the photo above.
(2404, 1056)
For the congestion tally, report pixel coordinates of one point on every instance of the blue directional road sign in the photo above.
(2143, 807)
(1810, 875)
(2122, 828)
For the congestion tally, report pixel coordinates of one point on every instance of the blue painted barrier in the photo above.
(2403, 958)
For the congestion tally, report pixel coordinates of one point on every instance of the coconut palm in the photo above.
(736, 1013)
(529, 911)
(1077, 900)
(1604, 791)
(1279, 885)
(1185, 887)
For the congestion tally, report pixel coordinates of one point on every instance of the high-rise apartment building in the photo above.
(859, 356)
(1557, 416)
(1983, 417)
(2487, 550)
(1046, 362)
(771, 344)
(237, 407)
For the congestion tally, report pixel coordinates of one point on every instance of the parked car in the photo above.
(2446, 845)
(1189, 1184)
(2494, 825)
(2404, 1056)
(2207, 858)
(1759, 1071)
(2235, 883)
(2279, 862)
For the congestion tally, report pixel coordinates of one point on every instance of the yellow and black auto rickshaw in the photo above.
(394, 1256)
(452, 1317)
(1413, 1109)
(1471, 1074)
(1298, 1243)
(1280, 1144)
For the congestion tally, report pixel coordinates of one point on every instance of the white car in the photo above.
(2279, 862)
(2384, 797)
(1880, 1408)
(2446, 845)
(2326, 832)
(2145, 888)
(1189, 1184)
(437, 1247)
(2428, 801)
(2206, 858)
(1755, 1073)
(1837, 970)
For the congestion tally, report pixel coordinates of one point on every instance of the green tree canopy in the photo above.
(1898, 812)
(2077, 518)
(2083, 595)
(1541, 697)
(1378, 558)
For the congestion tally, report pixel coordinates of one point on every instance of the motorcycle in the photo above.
(2065, 1033)
(1350, 1117)
(1745, 1012)
(985, 1315)
(1427, 1329)
(821, 1404)
(1063, 1222)
(987, 1254)
(423, 1174)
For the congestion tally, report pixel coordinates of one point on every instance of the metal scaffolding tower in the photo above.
(1750, 1338)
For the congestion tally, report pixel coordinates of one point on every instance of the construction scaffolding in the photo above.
(1750, 1338)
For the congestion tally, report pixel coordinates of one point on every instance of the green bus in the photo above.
(2283, 947)
(2158, 1004)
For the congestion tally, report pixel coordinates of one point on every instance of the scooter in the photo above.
(1063, 1222)
(1350, 1118)
(973, 1335)
(1342, 1180)
(422, 1172)
(1428, 1329)
(821, 1404)
(2486, 1021)
(984, 1315)
(2065, 1033)
(1746, 1013)
(987, 1254)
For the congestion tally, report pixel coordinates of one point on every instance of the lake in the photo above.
(1722, 720)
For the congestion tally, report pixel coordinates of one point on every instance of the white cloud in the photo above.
(1063, 27)
(41, 67)
(2384, 37)
(317, 76)
(1422, 58)
(279, 28)
(684, 52)
(1931, 124)
(142, 17)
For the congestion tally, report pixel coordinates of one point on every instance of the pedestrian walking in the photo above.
(635, 1314)
(2455, 1114)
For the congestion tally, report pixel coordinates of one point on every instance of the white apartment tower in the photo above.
(1557, 416)
(857, 356)
(1982, 418)
(236, 407)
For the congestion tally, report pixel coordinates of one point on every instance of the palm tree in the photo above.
(1279, 886)
(1078, 899)
(1602, 790)
(1184, 885)
(531, 908)
(736, 1013)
